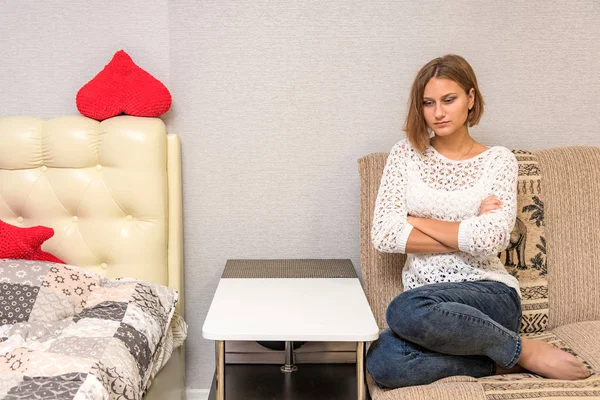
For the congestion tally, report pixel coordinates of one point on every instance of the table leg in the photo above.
(289, 358)
(361, 389)
(220, 367)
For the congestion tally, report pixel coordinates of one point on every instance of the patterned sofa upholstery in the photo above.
(554, 251)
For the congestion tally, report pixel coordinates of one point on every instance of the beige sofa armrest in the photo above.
(381, 272)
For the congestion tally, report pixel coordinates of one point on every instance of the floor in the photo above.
(267, 382)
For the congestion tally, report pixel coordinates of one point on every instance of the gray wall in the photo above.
(50, 49)
(275, 102)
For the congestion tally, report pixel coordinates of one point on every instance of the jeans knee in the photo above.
(377, 366)
(388, 361)
(403, 314)
(380, 366)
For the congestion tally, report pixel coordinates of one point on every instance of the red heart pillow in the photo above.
(123, 88)
(25, 243)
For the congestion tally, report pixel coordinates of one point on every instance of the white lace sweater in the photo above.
(434, 186)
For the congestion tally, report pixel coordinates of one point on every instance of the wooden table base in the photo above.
(220, 380)
(310, 381)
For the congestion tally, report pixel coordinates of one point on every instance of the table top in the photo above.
(290, 309)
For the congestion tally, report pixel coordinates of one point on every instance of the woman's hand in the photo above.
(489, 204)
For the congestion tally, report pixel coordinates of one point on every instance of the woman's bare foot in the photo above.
(551, 362)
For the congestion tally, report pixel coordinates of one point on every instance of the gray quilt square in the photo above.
(137, 344)
(16, 302)
(59, 387)
(85, 347)
(109, 310)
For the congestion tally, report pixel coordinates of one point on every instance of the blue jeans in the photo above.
(447, 329)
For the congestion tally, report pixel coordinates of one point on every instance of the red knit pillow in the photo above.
(25, 243)
(123, 88)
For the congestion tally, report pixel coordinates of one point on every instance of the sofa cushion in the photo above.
(461, 387)
(525, 257)
(578, 339)
(582, 337)
(571, 179)
(525, 386)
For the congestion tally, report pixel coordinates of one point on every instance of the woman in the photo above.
(450, 204)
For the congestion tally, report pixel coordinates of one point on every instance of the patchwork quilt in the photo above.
(67, 333)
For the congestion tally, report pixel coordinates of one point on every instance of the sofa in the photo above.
(554, 252)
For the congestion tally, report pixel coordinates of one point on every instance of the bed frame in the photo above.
(112, 192)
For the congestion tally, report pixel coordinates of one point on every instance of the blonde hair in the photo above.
(451, 67)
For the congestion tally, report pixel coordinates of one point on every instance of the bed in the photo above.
(111, 191)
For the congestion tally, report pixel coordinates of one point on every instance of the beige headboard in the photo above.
(111, 190)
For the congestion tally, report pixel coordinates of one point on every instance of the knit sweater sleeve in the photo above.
(390, 227)
(488, 234)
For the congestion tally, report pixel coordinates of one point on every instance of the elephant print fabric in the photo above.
(525, 257)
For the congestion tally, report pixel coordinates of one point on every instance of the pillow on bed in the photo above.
(41, 291)
(137, 313)
(25, 243)
(122, 336)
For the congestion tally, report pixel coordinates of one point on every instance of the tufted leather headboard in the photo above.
(111, 190)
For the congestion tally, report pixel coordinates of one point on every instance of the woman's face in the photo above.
(446, 106)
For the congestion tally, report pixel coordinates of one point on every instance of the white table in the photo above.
(290, 309)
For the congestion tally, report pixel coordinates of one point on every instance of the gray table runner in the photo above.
(300, 268)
